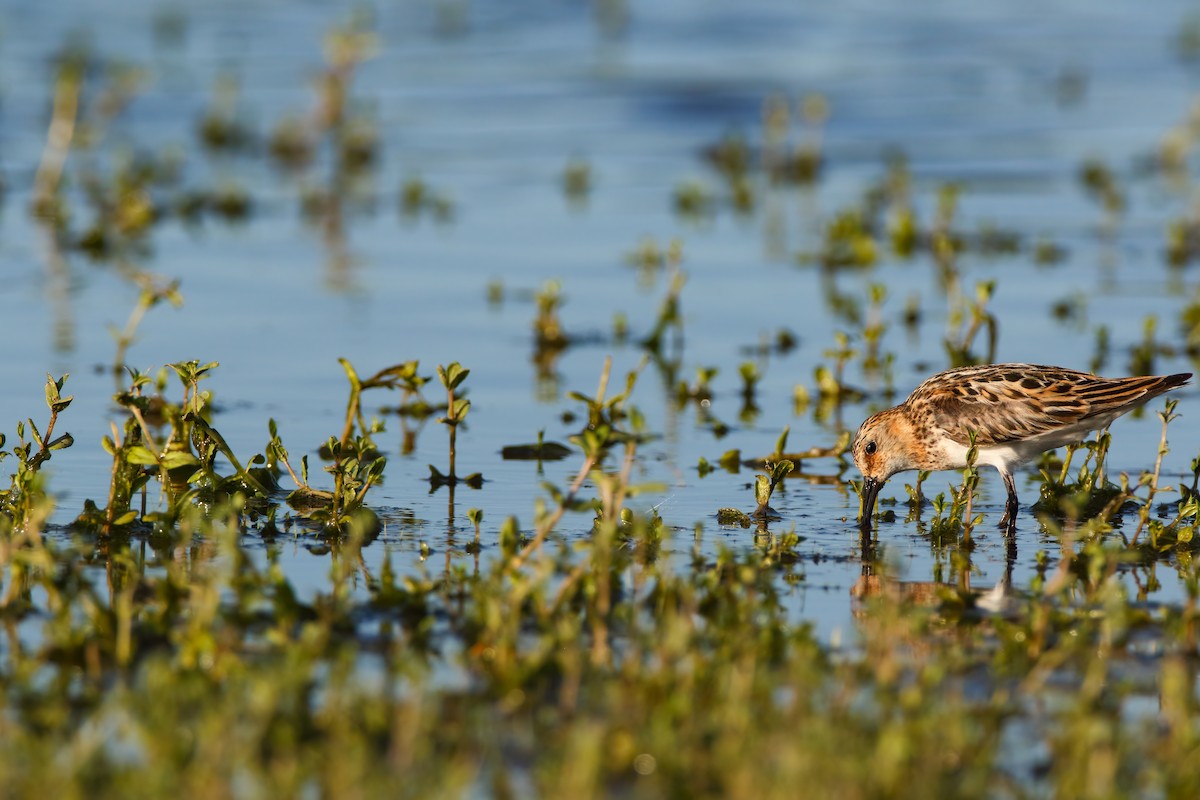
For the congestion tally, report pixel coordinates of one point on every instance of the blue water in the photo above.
(487, 103)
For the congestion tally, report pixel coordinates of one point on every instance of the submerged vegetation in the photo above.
(169, 657)
(172, 636)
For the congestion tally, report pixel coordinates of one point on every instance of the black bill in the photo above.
(870, 491)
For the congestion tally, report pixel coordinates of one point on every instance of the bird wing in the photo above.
(1008, 402)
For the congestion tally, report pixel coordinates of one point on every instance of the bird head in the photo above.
(881, 449)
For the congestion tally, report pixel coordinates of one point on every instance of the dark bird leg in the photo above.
(1009, 520)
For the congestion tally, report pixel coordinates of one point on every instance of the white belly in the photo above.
(1003, 457)
(1011, 455)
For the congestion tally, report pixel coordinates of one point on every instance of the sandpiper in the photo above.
(1016, 411)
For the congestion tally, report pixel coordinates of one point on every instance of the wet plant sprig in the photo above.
(152, 291)
(764, 487)
(457, 407)
(1151, 481)
(669, 316)
(981, 319)
(965, 496)
(594, 441)
(25, 503)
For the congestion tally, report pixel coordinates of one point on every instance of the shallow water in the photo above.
(487, 102)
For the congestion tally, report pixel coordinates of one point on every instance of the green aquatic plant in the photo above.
(46, 202)
(1071, 309)
(172, 455)
(1151, 481)
(916, 495)
(765, 485)
(973, 320)
(452, 377)
(669, 317)
(802, 166)
(964, 496)
(650, 259)
(291, 144)
(874, 327)
(356, 463)
(124, 206)
(1047, 253)
(358, 145)
(577, 180)
(594, 441)
(355, 467)
(1087, 494)
(175, 444)
(953, 522)
(418, 197)
(1144, 355)
(548, 333)
(600, 638)
(25, 504)
(849, 242)
(229, 202)
(699, 392)
(832, 389)
(730, 156)
(1183, 243)
(1101, 184)
(903, 226)
(693, 201)
(152, 290)
(750, 375)
(87, 94)
(221, 128)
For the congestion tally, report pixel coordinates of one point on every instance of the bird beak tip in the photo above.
(870, 491)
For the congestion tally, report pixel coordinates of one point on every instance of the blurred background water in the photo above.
(487, 103)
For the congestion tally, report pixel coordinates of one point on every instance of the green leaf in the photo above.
(179, 458)
(762, 489)
(140, 455)
(650, 488)
(350, 373)
(731, 459)
(510, 536)
(781, 445)
(37, 435)
(186, 370)
(452, 375)
(781, 469)
(126, 518)
(277, 451)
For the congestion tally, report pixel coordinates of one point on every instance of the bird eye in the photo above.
(870, 449)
